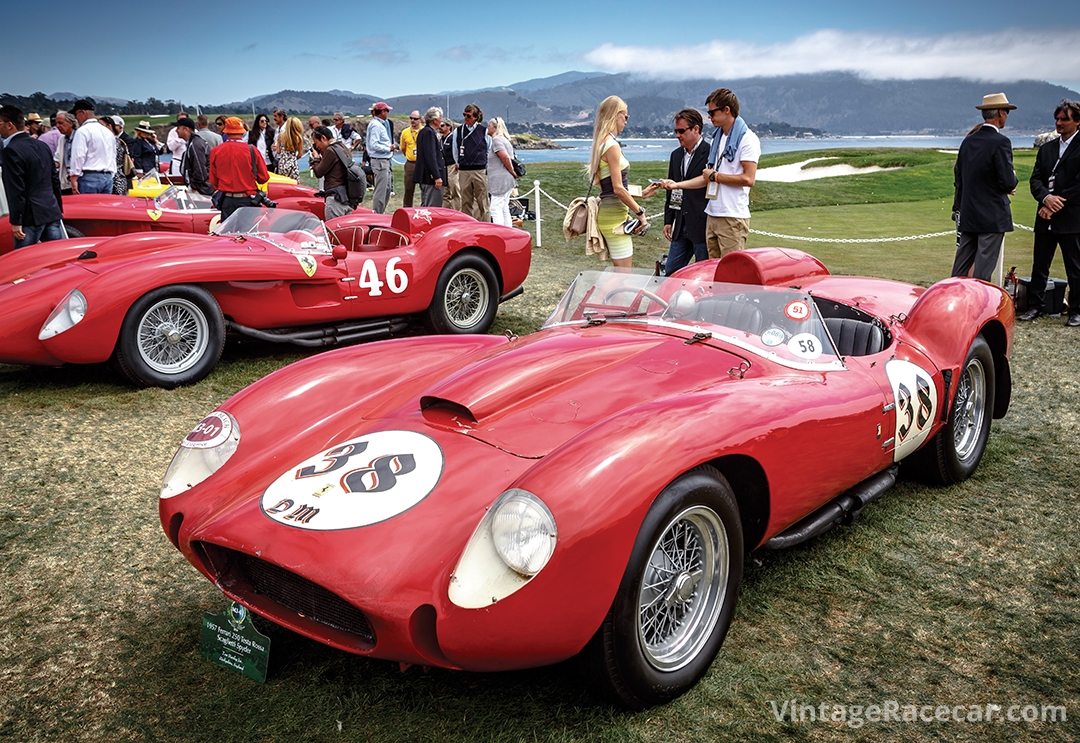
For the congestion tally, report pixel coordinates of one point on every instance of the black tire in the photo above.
(636, 662)
(954, 453)
(466, 296)
(73, 232)
(171, 336)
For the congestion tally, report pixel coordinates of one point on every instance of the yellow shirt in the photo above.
(408, 143)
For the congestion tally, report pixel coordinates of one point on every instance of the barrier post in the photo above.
(536, 196)
(1001, 263)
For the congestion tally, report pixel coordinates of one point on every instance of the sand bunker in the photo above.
(795, 172)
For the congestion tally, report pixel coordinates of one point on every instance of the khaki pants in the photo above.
(472, 190)
(410, 184)
(450, 191)
(725, 234)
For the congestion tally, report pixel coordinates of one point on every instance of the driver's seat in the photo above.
(733, 313)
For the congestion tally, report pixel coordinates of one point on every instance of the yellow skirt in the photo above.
(611, 214)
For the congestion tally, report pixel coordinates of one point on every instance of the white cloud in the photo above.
(1003, 56)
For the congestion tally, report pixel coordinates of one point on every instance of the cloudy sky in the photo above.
(390, 48)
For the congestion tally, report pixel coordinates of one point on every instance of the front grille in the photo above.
(252, 578)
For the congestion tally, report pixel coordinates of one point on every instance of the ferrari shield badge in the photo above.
(308, 264)
(356, 483)
(154, 214)
(229, 639)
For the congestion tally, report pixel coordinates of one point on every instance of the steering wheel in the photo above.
(640, 293)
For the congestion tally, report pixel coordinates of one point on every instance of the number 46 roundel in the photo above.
(916, 405)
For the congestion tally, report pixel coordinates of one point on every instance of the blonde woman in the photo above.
(289, 147)
(501, 177)
(616, 203)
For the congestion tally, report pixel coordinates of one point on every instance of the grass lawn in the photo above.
(968, 595)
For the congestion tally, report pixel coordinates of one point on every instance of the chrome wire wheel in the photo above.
(682, 588)
(467, 298)
(969, 409)
(173, 335)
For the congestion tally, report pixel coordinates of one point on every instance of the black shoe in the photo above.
(1030, 314)
(1073, 321)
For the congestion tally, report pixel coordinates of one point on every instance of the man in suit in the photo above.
(430, 170)
(984, 178)
(30, 181)
(1055, 184)
(684, 208)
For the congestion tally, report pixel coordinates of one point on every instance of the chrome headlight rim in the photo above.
(68, 313)
(545, 533)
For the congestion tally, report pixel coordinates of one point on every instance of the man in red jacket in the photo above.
(236, 170)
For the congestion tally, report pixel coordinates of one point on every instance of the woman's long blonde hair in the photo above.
(604, 126)
(292, 138)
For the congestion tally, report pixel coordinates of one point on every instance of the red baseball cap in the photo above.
(381, 106)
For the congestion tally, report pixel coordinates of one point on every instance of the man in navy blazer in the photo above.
(984, 178)
(30, 181)
(1055, 184)
(684, 208)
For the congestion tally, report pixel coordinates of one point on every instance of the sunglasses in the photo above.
(466, 113)
(714, 111)
(682, 131)
(414, 118)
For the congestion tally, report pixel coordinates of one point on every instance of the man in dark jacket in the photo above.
(430, 170)
(1055, 184)
(984, 178)
(30, 183)
(470, 154)
(328, 163)
(196, 164)
(684, 208)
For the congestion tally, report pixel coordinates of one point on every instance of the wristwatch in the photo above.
(640, 212)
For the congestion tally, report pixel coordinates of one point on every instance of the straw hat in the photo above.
(996, 100)
(144, 127)
(33, 118)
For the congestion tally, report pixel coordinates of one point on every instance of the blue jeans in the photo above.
(41, 234)
(95, 183)
(681, 251)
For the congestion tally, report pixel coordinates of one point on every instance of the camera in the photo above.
(261, 199)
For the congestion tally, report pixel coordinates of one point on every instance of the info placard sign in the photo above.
(231, 640)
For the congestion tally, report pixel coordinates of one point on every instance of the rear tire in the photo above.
(466, 296)
(676, 600)
(73, 232)
(171, 336)
(954, 453)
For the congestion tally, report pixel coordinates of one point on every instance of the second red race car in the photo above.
(159, 305)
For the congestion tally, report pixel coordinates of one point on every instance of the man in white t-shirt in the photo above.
(728, 176)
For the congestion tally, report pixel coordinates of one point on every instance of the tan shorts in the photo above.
(725, 234)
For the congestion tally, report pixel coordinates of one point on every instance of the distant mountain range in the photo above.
(835, 103)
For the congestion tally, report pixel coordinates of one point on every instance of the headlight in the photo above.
(66, 315)
(523, 530)
(202, 453)
(511, 544)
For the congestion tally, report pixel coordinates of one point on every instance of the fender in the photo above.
(927, 326)
(607, 503)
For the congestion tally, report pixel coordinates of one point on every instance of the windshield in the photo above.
(777, 323)
(291, 230)
(182, 199)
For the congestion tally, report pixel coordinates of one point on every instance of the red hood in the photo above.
(537, 393)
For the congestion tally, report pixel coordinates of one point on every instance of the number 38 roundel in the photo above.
(356, 483)
(916, 405)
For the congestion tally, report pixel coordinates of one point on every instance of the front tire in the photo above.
(466, 296)
(954, 453)
(171, 336)
(676, 599)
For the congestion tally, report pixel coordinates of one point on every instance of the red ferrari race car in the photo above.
(588, 490)
(177, 209)
(159, 304)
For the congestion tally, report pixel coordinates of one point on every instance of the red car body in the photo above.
(366, 481)
(106, 215)
(163, 301)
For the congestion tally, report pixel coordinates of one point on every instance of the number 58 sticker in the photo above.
(396, 278)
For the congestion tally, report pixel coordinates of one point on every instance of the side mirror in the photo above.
(339, 252)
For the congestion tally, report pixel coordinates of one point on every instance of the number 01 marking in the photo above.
(396, 278)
